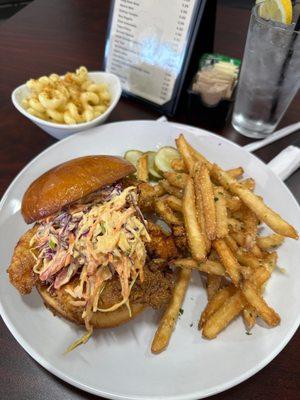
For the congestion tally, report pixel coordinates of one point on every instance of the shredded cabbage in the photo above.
(93, 241)
(79, 341)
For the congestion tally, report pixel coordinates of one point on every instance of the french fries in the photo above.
(213, 284)
(168, 215)
(159, 190)
(247, 272)
(257, 276)
(256, 251)
(269, 242)
(201, 220)
(212, 267)
(235, 225)
(195, 235)
(197, 156)
(248, 184)
(178, 165)
(239, 237)
(260, 276)
(185, 153)
(231, 243)
(271, 261)
(233, 203)
(142, 168)
(235, 172)
(215, 303)
(168, 321)
(229, 261)
(258, 303)
(177, 179)
(250, 228)
(218, 321)
(256, 204)
(208, 266)
(174, 203)
(185, 263)
(248, 259)
(204, 186)
(171, 189)
(221, 213)
(215, 222)
(249, 316)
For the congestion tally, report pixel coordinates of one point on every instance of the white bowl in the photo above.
(61, 131)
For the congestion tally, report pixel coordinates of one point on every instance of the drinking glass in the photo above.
(269, 77)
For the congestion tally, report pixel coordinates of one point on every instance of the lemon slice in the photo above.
(132, 156)
(276, 10)
(151, 165)
(164, 157)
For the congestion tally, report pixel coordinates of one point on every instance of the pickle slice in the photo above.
(132, 156)
(151, 165)
(164, 157)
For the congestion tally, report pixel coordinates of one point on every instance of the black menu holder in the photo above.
(154, 47)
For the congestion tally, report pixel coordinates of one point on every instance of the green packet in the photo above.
(208, 59)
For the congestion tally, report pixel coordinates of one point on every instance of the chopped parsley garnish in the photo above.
(52, 244)
(103, 228)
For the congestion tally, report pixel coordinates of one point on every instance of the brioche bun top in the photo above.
(70, 182)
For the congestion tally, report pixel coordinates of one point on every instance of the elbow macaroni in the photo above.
(70, 99)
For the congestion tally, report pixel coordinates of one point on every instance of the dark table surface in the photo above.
(58, 35)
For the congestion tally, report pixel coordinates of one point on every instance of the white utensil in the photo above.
(286, 162)
(272, 138)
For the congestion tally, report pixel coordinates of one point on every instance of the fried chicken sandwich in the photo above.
(91, 254)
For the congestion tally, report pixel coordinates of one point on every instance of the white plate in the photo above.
(118, 363)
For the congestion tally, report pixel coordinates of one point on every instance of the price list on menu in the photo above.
(147, 45)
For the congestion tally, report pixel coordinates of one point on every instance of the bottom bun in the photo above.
(60, 305)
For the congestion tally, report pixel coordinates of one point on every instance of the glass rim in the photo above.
(266, 22)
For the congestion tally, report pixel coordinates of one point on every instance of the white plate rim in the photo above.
(189, 396)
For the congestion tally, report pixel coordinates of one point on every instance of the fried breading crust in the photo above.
(162, 245)
(154, 291)
(147, 197)
(147, 194)
(20, 270)
(180, 239)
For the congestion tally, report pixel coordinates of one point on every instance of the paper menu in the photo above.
(147, 45)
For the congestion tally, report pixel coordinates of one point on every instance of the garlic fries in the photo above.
(194, 234)
(218, 217)
(169, 319)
